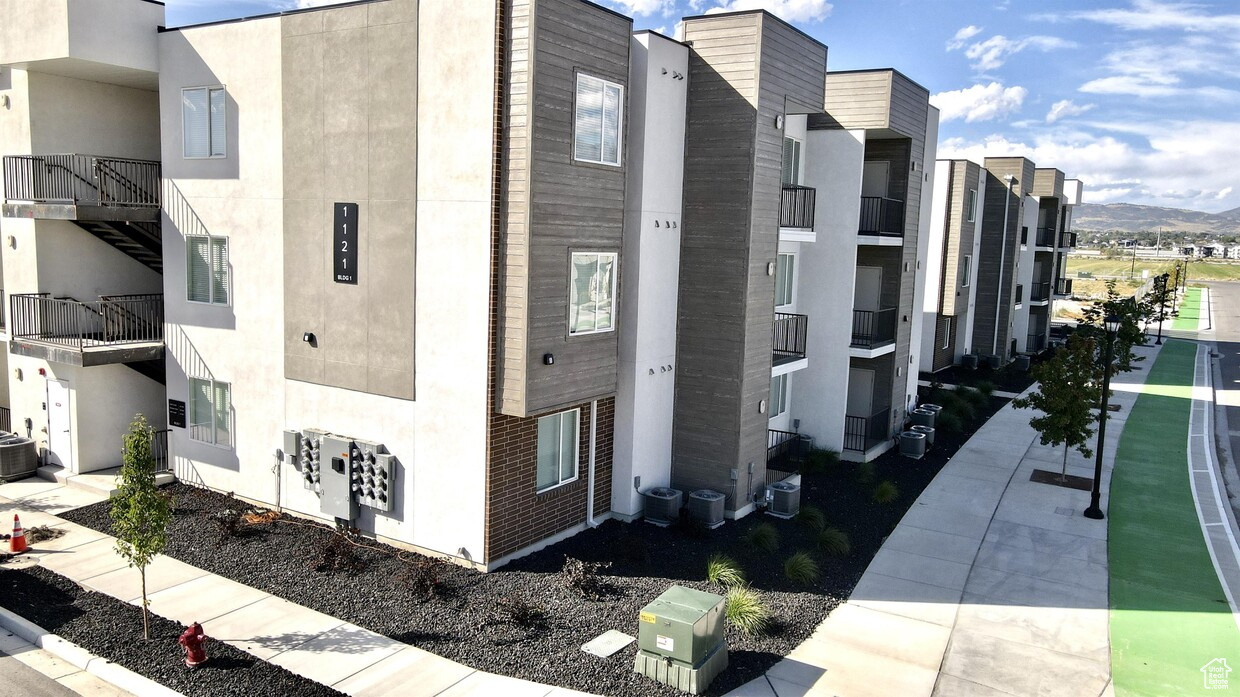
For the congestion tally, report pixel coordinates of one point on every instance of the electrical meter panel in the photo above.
(345, 472)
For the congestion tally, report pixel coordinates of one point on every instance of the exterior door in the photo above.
(59, 439)
(874, 179)
(860, 392)
(868, 288)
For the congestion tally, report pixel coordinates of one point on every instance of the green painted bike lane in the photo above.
(1190, 313)
(1169, 614)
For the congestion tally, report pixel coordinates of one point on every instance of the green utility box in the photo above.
(680, 639)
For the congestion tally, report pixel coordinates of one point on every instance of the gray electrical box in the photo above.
(373, 476)
(308, 459)
(680, 639)
(292, 446)
(335, 470)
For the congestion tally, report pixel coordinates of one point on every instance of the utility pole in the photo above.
(1158, 244)
(1133, 270)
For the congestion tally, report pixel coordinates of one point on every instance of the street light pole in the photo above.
(1111, 323)
(1162, 303)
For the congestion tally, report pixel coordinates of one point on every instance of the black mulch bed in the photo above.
(1005, 379)
(464, 621)
(112, 629)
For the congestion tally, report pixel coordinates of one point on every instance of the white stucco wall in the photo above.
(935, 235)
(650, 271)
(922, 278)
(114, 33)
(826, 282)
(1024, 273)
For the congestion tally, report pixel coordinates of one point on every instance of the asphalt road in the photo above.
(1225, 304)
(20, 680)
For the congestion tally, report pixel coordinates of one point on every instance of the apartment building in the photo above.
(955, 239)
(467, 277)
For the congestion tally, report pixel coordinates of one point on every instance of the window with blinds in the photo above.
(203, 122)
(206, 270)
(592, 292)
(597, 121)
(210, 411)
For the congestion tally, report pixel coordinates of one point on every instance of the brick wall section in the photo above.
(517, 515)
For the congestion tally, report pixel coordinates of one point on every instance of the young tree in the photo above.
(1068, 388)
(1131, 313)
(140, 513)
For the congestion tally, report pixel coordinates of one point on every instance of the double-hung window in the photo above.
(971, 205)
(946, 328)
(206, 270)
(792, 162)
(966, 269)
(210, 411)
(597, 128)
(592, 293)
(785, 277)
(203, 119)
(779, 395)
(557, 448)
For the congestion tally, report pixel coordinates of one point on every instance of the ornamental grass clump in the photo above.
(886, 492)
(801, 569)
(762, 537)
(723, 570)
(834, 542)
(813, 518)
(745, 610)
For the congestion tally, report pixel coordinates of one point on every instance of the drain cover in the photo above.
(607, 644)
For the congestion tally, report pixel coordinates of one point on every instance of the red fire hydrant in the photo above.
(193, 639)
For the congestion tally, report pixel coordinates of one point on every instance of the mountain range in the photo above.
(1131, 217)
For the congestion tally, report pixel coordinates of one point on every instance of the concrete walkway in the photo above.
(347, 657)
(990, 585)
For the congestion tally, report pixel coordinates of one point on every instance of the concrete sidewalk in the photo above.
(347, 657)
(990, 585)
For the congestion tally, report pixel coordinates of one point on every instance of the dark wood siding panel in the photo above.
(991, 291)
(1047, 181)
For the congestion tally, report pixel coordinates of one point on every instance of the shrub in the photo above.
(813, 518)
(985, 387)
(865, 474)
(227, 521)
(820, 460)
(886, 492)
(746, 611)
(834, 542)
(584, 578)
(723, 570)
(949, 422)
(801, 569)
(762, 537)
(975, 399)
(425, 577)
(514, 609)
(338, 553)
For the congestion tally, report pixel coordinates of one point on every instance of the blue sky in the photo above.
(1140, 99)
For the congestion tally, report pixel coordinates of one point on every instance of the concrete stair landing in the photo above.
(100, 481)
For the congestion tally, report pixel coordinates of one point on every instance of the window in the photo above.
(596, 137)
(592, 290)
(779, 395)
(202, 121)
(947, 332)
(785, 270)
(557, 449)
(206, 270)
(966, 270)
(210, 411)
(792, 161)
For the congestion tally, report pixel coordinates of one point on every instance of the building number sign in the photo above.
(344, 243)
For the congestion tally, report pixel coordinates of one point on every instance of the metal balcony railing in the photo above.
(881, 216)
(1064, 287)
(796, 207)
(113, 320)
(784, 450)
(1045, 237)
(1035, 343)
(6, 420)
(873, 328)
(82, 179)
(159, 451)
(788, 337)
(1067, 239)
(1039, 292)
(864, 432)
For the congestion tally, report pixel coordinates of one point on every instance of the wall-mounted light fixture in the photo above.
(656, 223)
(308, 337)
(548, 359)
(761, 406)
(779, 121)
(770, 268)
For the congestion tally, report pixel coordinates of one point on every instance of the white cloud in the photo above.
(1148, 15)
(1168, 163)
(787, 10)
(641, 8)
(992, 53)
(979, 102)
(958, 41)
(1065, 108)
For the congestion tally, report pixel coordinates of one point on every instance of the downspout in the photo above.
(590, 472)
(994, 345)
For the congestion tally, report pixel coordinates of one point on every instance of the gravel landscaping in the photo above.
(524, 620)
(112, 629)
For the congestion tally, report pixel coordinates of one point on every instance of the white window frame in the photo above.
(215, 426)
(972, 206)
(779, 395)
(790, 280)
(615, 273)
(211, 154)
(605, 84)
(947, 332)
(576, 452)
(968, 271)
(225, 271)
(797, 148)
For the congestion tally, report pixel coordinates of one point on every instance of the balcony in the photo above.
(1067, 240)
(864, 432)
(788, 338)
(881, 216)
(1045, 237)
(796, 207)
(1064, 287)
(873, 330)
(113, 329)
(81, 187)
(785, 450)
(1039, 292)
(1035, 343)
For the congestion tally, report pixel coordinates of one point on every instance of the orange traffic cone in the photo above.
(17, 543)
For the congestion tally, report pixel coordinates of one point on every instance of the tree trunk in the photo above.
(146, 627)
(1063, 476)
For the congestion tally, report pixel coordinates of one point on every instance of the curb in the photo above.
(69, 652)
